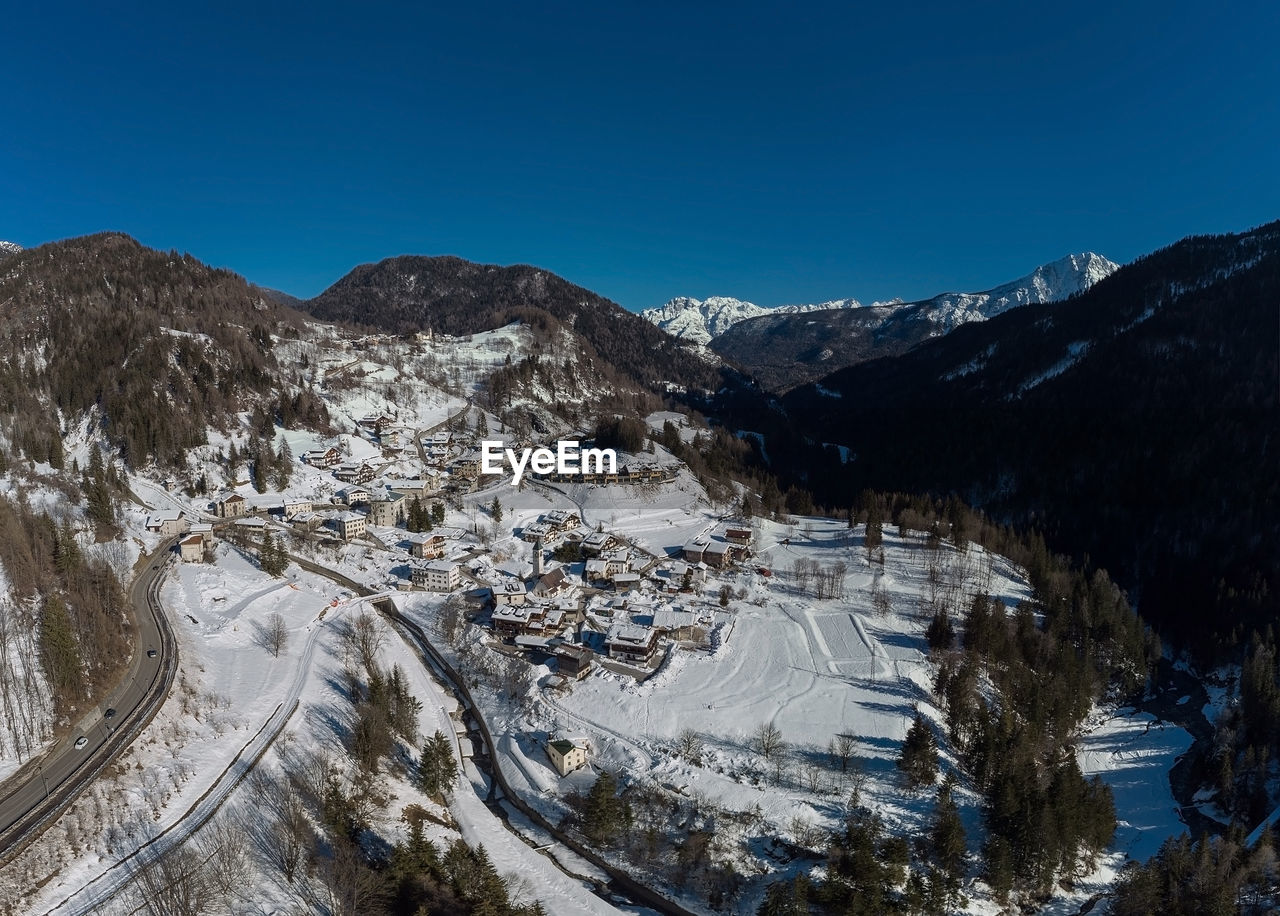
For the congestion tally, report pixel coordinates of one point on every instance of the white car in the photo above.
(81, 742)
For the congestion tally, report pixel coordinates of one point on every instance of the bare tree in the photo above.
(277, 634)
(689, 745)
(450, 620)
(768, 741)
(368, 637)
(841, 749)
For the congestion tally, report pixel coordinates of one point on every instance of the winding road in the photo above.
(38, 793)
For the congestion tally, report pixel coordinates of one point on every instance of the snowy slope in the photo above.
(8, 248)
(703, 320)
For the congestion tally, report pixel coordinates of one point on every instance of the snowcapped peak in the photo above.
(699, 320)
(8, 248)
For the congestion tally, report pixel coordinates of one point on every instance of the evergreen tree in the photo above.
(919, 756)
(59, 651)
(495, 510)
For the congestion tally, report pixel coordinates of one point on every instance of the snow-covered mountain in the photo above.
(8, 248)
(1051, 282)
(703, 320)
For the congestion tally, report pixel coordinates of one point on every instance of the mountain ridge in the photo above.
(783, 351)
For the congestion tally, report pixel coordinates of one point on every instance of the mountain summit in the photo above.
(8, 248)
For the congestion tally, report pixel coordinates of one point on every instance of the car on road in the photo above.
(110, 713)
(151, 653)
(81, 742)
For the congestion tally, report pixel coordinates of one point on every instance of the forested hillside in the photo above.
(458, 297)
(1137, 424)
(156, 346)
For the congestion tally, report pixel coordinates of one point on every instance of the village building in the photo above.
(597, 542)
(562, 520)
(738, 536)
(566, 756)
(625, 582)
(191, 548)
(632, 643)
(292, 507)
(308, 521)
(386, 510)
(539, 531)
(574, 661)
(552, 583)
(509, 591)
(322, 457)
(426, 546)
(421, 487)
(167, 522)
(530, 619)
(353, 495)
(437, 576)
(233, 506)
(350, 525)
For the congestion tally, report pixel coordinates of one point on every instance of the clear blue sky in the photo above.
(644, 150)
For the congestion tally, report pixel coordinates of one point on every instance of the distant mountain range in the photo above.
(793, 344)
(700, 321)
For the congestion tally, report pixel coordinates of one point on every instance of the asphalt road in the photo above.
(45, 787)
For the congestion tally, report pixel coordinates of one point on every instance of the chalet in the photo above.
(574, 661)
(352, 472)
(353, 495)
(615, 562)
(294, 507)
(553, 583)
(509, 591)
(350, 525)
(468, 464)
(539, 531)
(452, 534)
(718, 554)
(308, 521)
(680, 624)
(426, 546)
(167, 522)
(532, 619)
(437, 576)
(693, 551)
(421, 487)
(598, 542)
(566, 756)
(597, 571)
(191, 548)
(234, 506)
(386, 509)
(562, 520)
(374, 422)
(738, 537)
(632, 643)
(625, 582)
(322, 457)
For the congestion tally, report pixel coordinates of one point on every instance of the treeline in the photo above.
(158, 344)
(84, 628)
(1217, 875)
